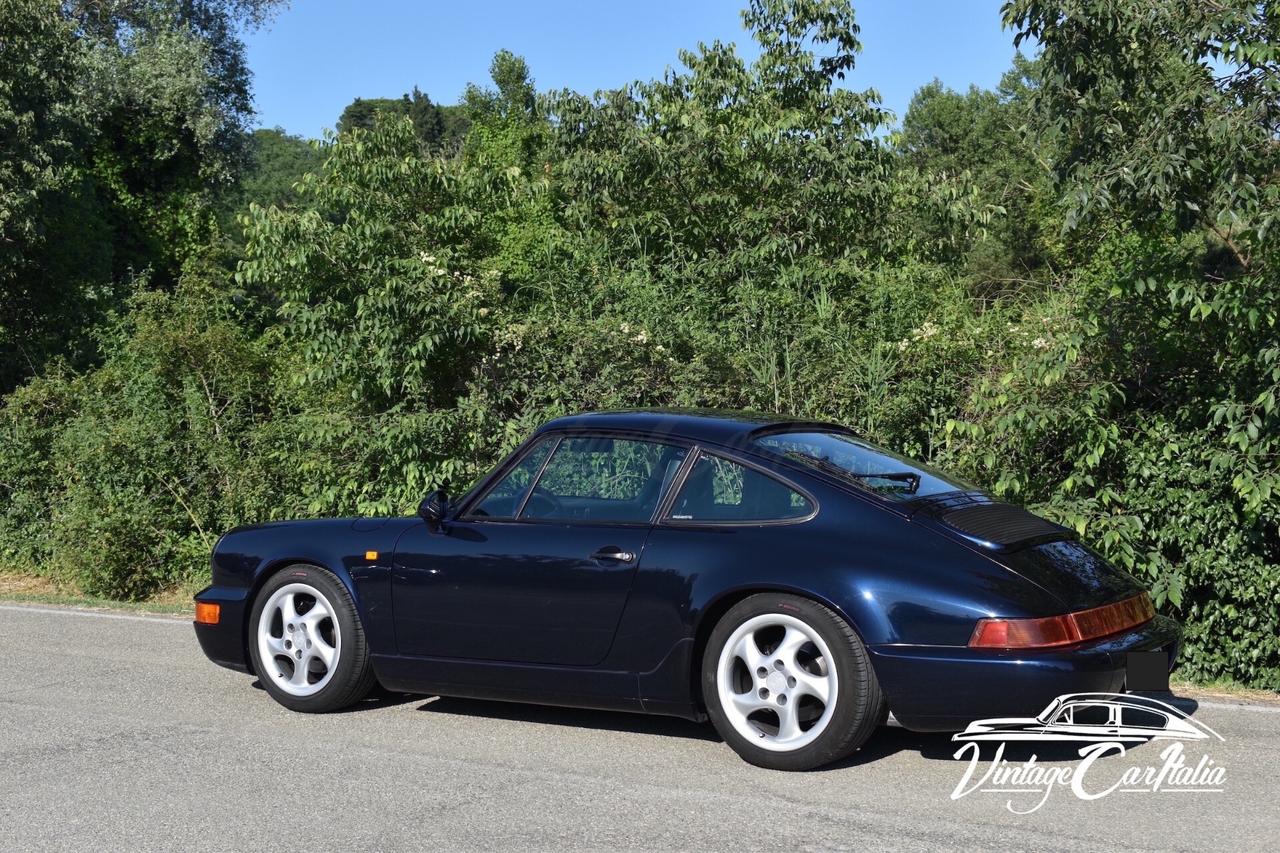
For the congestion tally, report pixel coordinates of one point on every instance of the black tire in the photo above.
(352, 677)
(859, 706)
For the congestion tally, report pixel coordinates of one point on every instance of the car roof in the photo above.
(1130, 700)
(713, 426)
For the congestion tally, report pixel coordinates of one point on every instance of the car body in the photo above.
(610, 606)
(1092, 717)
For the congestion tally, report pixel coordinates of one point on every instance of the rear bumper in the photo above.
(224, 643)
(944, 688)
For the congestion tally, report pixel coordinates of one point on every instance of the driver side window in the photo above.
(603, 479)
(505, 499)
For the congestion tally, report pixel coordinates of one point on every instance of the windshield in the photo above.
(846, 457)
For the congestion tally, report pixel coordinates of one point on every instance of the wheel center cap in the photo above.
(776, 682)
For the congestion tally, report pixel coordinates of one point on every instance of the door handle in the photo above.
(615, 554)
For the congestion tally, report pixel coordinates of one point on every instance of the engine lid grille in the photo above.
(1002, 524)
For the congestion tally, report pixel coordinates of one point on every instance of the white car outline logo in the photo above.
(1093, 717)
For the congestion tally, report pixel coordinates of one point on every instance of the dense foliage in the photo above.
(1064, 289)
(440, 129)
(120, 120)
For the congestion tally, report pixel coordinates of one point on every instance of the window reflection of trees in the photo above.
(610, 469)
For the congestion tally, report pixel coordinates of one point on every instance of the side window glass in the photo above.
(1141, 718)
(1091, 715)
(504, 499)
(604, 479)
(721, 490)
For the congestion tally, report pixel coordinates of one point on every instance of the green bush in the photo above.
(121, 479)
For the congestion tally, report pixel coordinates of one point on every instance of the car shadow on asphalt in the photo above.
(578, 718)
(938, 746)
(377, 698)
(886, 741)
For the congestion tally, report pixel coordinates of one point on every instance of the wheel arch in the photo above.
(715, 609)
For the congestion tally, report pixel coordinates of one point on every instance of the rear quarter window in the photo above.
(719, 490)
(1141, 718)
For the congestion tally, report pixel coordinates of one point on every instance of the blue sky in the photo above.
(320, 54)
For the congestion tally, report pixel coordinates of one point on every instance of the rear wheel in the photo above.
(788, 684)
(307, 644)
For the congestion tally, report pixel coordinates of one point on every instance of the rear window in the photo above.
(863, 464)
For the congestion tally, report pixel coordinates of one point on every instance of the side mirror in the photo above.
(434, 508)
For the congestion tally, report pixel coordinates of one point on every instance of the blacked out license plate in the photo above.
(1147, 670)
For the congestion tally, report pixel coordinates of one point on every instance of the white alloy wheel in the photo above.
(777, 682)
(299, 640)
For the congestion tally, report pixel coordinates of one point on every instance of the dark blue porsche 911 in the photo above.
(784, 578)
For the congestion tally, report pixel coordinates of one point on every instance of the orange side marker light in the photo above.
(208, 613)
(371, 555)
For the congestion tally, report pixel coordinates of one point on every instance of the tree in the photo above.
(513, 95)
(1170, 112)
(438, 128)
(456, 126)
(119, 121)
(364, 112)
(985, 141)
(53, 246)
(276, 162)
(1063, 289)
(427, 118)
(1144, 411)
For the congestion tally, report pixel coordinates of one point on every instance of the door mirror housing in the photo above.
(434, 508)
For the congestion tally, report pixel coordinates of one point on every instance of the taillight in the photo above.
(1064, 630)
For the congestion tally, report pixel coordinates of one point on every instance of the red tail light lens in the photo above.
(1064, 630)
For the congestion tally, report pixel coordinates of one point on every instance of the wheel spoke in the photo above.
(299, 678)
(817, 686)
(324, 651)
(317, 614)
(289, 608)
(313, 651)
(749, 652)
(788, 721)
(792, 641)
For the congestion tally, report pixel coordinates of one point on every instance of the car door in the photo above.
(538, 568)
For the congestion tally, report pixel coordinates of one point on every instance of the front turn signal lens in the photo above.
(208, 613)
(1065, 630)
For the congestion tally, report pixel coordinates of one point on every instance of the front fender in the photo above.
(358, 551)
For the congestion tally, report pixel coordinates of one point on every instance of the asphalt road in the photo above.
(116, 733)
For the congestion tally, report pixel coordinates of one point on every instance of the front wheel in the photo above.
(307, 644)
(788, 684)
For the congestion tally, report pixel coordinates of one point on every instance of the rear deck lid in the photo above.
(991, 523)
